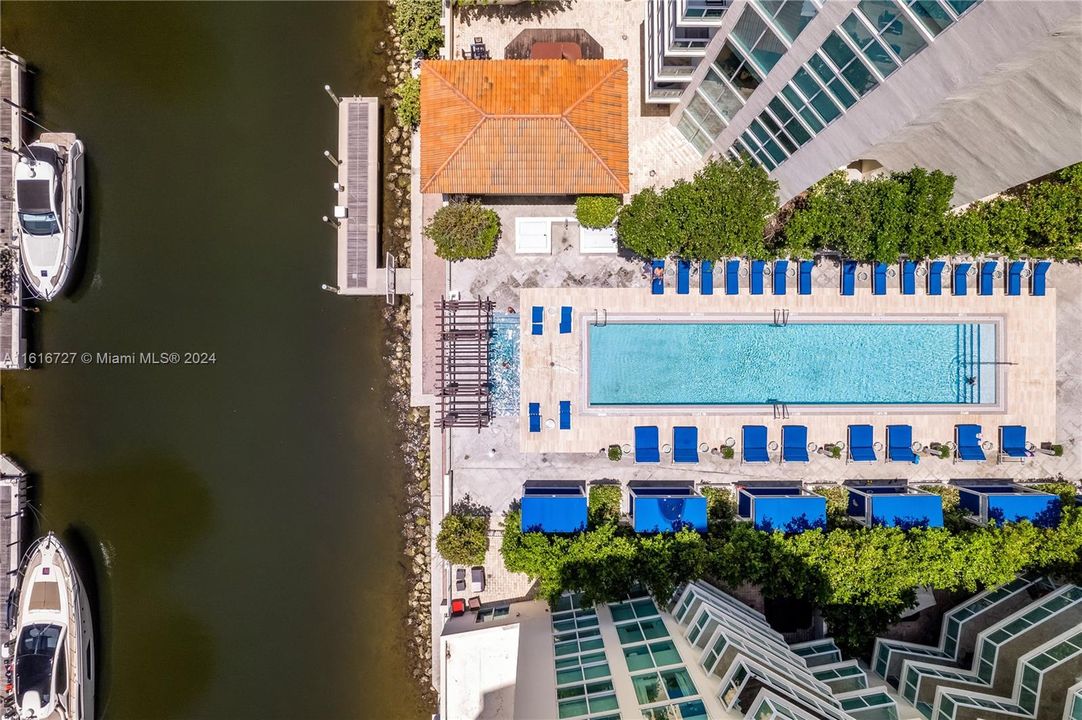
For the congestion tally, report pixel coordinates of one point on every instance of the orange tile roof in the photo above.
(530, 127)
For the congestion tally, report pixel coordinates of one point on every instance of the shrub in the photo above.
(596, 211)
(464, 230)
(463, 539)
(727, 452)
(615, 452)
(837, 505)
(418, 26)
(604, 504)
(408, 109)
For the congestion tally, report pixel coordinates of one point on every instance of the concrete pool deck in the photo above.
(552, 368)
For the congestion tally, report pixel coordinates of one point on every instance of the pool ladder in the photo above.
(781, 317)
(601, 317)
(781, 411)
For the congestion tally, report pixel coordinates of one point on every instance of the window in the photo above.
(724, 99)
(583, 680)
(757, 40)
(830, 79)
(731, 65)
(849, 67)
(665, 685)
(705, 115)
(493, 613)
(869, 46)
(694, 134)
(960, 6)
(932, 15)
(790, 15)
(902, 36)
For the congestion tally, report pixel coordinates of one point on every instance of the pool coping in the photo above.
(784, 410)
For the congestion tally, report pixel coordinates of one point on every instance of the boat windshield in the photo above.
(39, 224)
(34, 660)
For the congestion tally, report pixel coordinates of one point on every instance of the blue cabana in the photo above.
(780, 268)
(789, 509)
(732, 277)
(1038, 281)
(900, 444)
(909, 280)
(935, 277)
(968, 442)
(685, 444)
(553, 509)
(758, 267)
(667, 509)
(988, 277)
(861, 443)
(683, 275)
(1009, 503)
(706, 278)
(961, 275)
(753, 440)
(895, 506)
(646, 444)
(849, 276)
(794, 443)
(804, 287)
(879, 279)
(1014, 278)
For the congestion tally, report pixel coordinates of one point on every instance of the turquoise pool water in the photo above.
(715, 363)
(503, 364)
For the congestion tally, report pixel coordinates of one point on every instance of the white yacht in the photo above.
(49, 205)
(54, 646)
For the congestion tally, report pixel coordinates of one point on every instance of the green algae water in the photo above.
(236, 520)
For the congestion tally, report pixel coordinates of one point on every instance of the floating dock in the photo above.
(356, 216)
(12, 344)
(12, 503)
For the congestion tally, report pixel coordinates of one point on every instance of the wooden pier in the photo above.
(12, 505)
(12, 343)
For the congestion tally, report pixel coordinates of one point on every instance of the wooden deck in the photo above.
(358, 172)
(11, 318)
(552, 368)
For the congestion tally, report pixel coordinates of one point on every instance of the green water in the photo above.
(237, 521)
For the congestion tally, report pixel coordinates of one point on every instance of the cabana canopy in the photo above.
(553, 509)
(789, 509)
(1010, 503)
(895, 507)
(667, 509)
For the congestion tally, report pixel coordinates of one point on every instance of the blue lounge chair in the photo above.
(969, 446)
(646, 445)
(753, 439)
(657, 287)
(879, 279)
(565, 414)
(794, 443)
(849, 277)
(960, 286)
(900, 443)
(1037, 282)
(780, 268)
(1012, 442)
(685, 444)
(804, 286)
(683, 274)
(861, 444)
(565, 319)
(535, 417)
(988, 277)
(909, 277)
(538, 318)
(732, 277)
(935, 277)
(756, 279)
(706, 278)
(1014, 278)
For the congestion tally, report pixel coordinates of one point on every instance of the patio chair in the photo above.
(988, 278)
(477, 579)
(458, 605)
(1038, 281)
(732, 277)
(683, 273)
(535, 417)
(900, 443)
(474, 603)
(756, 277)
(1014, 278)
(794, 443)
(849, 277)
(646, 444)
(909, 277)
(460, 580)
(861, 444)
(968, 444)
(565, 319)
(879, 279)
(804, 287)
(935, 277)
(657, 287)
(565, 414)
(685, 444)
(960, 283)
(538, 319)
(706, 278)
(753, 442)
(1012, 443)
(780, 268)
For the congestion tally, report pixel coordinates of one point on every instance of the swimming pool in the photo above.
(503, 364)
(680, 363)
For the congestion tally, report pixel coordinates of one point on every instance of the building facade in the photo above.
(988, 91)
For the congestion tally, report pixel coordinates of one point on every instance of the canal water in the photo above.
(237, 520)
